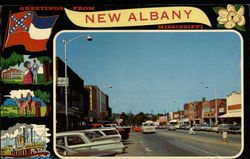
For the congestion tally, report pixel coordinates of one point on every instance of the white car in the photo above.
(65, 151)
(80, 141)
(103, 134)
(148, 127)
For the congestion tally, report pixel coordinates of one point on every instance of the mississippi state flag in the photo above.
(26, 28)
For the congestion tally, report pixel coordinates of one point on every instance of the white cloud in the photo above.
(17, 93)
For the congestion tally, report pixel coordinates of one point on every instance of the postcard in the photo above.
(150, 80)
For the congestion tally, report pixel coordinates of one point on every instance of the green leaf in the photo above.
(237, 7)
(220, 25)
(216, 9)
(240, 28)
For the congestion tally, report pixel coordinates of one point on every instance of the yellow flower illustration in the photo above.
(230, 18)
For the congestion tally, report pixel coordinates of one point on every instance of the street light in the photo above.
(66, 42)
(215, 99)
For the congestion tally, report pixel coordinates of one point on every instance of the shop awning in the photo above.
(231, 115)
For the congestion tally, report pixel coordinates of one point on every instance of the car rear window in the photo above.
(98, 133)
(74, 140)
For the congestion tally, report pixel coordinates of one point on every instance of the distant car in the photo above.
(161, 126)
(136, 129)
(148, 127)
(197, 127)
(214, 128)
(234, 128)
(222, 128)
(208, 128)
(177, 126)
(185, 126)
(80, 141)
(171, 127)
(65, 151)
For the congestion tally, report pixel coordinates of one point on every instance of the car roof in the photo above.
(67, 133)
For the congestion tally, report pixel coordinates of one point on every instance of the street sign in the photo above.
(61, 81)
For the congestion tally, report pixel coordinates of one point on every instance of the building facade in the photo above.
(13, 74)
(97, 104)
(233, 109)
(76, 111)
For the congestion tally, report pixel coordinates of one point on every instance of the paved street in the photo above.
(179, 143)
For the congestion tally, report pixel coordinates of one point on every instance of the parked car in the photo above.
(123, 130)
(65, 151)
(126, 128)
(185, 126)
(208, 128)
(222, 128)
(161, 126)
(80, 141)
(177, 126)
(136, 129)
(171, 127)
(234, 128)
(197, 127)
(103, 134)
(214, 128)
(96, 125)
(148, 127)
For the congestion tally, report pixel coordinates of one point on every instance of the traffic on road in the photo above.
(149, 140)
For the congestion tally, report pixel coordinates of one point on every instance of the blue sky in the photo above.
(154, 71)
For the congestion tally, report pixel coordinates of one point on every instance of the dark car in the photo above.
(233, 128)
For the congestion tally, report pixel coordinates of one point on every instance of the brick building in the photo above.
(97, 104)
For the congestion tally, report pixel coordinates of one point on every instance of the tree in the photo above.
(124, 118)
(46, 61)
(46, 98)
(140, 117)
(13, 60)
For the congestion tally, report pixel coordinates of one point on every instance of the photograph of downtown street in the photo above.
(148, 93)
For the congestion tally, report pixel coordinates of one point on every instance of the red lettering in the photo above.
(92, 19)
(101, 18)
(141, 18)
(132, 17)
(154, 16)
(188, 13)
(114, 17)
(176, 14)
(164, 15)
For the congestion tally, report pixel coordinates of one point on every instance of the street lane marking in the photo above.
(147, 149)
(141, 142)
(195, 148)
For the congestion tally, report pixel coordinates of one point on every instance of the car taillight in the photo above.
(120, 129)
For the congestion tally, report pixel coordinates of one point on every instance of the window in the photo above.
(60, 141)
(74, 140)
(110, 132)
(99, 133)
